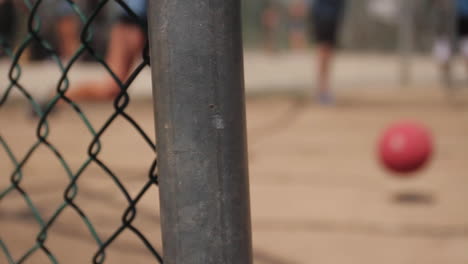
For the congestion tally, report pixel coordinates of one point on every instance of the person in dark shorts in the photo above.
(326, 17)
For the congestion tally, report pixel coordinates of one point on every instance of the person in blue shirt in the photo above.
(326, 17)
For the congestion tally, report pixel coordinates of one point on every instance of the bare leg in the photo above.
(269, 23)
(464, 50)
(297, 40)
(68, 32)
(297, 18)
(325, 55)
(443, 52)
(126, 43)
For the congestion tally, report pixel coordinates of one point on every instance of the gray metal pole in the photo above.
(198, 87)
(406, 40)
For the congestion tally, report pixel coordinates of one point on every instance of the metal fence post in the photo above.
(198, 87)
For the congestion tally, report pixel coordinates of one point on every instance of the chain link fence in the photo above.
(35, 36)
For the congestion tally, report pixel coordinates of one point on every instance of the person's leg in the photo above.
(68, 36)
(443, 54)
(269, 25)
(446, 30)
(297, 15)
(126, 43)
(463, 35)
(326, 26)
(324, 59)
(326, 41)
(67, 30)
(297, 39)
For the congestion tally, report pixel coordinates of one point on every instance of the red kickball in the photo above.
(405, 147)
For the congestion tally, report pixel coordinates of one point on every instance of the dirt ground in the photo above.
(318, 192)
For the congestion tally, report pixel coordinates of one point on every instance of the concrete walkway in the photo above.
(264, 73)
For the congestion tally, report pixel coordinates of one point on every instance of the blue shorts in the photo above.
(328, 9)
(326, 17)
(64, 9)
(138, 7)
(462, 8)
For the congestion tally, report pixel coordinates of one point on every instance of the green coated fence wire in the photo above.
(121, 102)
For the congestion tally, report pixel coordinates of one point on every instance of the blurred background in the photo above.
(319, 192)
(382, 43)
